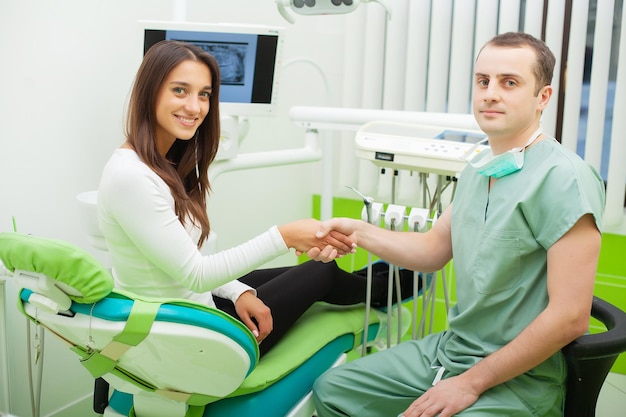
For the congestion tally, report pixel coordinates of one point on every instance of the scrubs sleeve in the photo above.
(579, 191)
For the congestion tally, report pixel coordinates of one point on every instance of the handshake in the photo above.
(322, 241)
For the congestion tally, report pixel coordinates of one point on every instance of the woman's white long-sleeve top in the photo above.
(153, 254)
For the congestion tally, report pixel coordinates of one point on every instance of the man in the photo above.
(524, 229)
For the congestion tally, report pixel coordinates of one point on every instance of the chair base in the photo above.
(304, 408)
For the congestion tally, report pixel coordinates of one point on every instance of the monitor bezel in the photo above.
(230, 108)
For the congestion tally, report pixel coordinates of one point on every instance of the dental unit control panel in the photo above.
(423, 148)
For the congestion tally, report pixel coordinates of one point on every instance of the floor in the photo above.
(612, 400)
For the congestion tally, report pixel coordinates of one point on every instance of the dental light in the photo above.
(317, 7)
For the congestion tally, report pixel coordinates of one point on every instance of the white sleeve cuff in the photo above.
(232, 290)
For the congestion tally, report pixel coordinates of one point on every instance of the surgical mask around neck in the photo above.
(500, 165)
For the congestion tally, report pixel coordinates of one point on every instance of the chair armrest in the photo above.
(609, 343)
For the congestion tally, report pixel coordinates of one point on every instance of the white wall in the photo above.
(67, 67)
(66, 70)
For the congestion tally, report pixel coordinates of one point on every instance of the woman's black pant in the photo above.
(290, 291)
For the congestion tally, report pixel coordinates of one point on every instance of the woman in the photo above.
(152, 210)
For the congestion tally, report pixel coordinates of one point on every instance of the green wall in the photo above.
(610, 279)
(611, 282)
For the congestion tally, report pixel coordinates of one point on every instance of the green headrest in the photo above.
(81, 276)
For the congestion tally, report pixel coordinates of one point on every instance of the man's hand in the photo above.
(255, 315)
(333, 230)
(343, 226)
(447, 398)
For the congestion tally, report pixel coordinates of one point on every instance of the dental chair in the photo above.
(178, 358)
(172, 357)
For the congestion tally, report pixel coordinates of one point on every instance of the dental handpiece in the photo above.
(367, 201)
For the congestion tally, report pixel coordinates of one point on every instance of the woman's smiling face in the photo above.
(182, 103)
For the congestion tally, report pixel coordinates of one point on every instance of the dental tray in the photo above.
(421, 148)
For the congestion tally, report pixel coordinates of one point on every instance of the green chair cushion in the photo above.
(80, 275)
(318, 326)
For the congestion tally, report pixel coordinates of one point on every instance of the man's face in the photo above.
(505, 102)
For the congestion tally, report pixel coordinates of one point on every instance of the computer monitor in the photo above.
(249, 57)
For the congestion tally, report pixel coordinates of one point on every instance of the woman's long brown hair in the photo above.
(178, 167)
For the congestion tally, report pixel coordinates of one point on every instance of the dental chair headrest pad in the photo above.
(83, 277)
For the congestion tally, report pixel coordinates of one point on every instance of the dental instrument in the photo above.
(394, 217)
(370, 217)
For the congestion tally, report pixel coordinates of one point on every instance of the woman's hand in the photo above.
(302, 235)
(255, 315)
